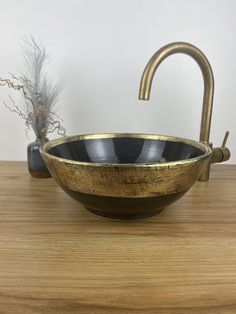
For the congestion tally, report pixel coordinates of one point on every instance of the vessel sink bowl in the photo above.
(125, 176)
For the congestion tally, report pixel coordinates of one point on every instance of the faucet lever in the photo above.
(222, 153)
(225, 138)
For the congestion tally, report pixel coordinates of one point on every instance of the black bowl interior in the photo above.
(125, 150)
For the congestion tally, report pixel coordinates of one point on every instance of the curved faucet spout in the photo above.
(201, 59)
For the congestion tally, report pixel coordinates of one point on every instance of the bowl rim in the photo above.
(52, 143)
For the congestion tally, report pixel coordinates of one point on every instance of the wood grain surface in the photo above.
(55, 257)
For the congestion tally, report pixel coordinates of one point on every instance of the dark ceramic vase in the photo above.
(36, 165)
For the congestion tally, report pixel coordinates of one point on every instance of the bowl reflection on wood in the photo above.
(125, 176)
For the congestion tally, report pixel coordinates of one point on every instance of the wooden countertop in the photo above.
(55, 257)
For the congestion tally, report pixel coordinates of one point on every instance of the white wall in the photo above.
(100, 49)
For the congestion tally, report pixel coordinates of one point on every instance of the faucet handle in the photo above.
(222, 153)
(225, 139)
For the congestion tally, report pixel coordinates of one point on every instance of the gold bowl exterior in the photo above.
(109, 182)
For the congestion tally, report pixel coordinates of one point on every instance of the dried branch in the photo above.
(39, 93)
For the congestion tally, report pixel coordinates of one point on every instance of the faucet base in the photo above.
(204, 176)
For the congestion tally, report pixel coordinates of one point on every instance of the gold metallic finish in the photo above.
(201, 59)
(125, 180)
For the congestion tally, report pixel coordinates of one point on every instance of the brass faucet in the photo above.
(219, 154)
